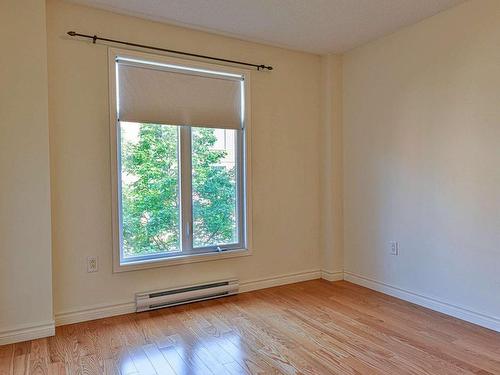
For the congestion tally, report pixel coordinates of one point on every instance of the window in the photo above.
(180, 160)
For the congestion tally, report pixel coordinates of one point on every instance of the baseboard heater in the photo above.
(172, 297)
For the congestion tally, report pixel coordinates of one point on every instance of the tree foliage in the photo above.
(214, 193)
(151, 198)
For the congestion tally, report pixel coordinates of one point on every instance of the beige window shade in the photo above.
(173, 96)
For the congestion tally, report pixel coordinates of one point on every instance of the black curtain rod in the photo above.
(95, 38)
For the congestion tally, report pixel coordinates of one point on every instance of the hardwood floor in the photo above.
(315, 327)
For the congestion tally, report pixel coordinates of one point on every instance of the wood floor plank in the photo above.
(160, 364)
(314, 327)
(6, 365)
(125, 364)
(175, 360)
(141, 361)
(90, 365)
(38, 358)
(20, 364)
(56, 368)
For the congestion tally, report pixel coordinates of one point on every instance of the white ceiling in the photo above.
(319, 26)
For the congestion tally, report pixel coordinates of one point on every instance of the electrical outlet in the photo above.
(92, 264)
(394, 248)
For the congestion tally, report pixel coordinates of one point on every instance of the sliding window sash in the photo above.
(187, 196)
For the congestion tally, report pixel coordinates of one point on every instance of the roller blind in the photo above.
(175, 95)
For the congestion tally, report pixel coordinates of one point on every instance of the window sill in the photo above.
(181, 259)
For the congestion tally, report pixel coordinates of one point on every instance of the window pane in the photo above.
(215, 213)
(150, 189)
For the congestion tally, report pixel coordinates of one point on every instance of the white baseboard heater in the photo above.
(172, 297)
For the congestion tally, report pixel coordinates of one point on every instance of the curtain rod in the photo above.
(96, 38)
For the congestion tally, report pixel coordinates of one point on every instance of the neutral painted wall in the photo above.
(331, 172)
(422, 158)
(285, 132)
(25, 245)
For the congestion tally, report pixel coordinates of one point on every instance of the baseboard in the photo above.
(105, 311)
(94, 312)
(480, 319)
(27, 332)
(268, 282)
(332, 275)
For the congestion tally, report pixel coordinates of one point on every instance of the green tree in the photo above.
(214, 192)
(150, 192)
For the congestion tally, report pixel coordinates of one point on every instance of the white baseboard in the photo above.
(332, 275)
(268, 282)
(94, 312)
(483, 320)
(27, 332)
(105, 311)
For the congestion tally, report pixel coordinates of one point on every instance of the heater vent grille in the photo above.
(177, 296)
(187, 289)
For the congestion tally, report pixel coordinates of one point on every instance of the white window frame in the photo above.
(244, 175)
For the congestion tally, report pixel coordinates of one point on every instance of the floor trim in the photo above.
(27, 332)
(431, 303)
(332, 275)
(105, 311)
(94, 312)
(268, 282)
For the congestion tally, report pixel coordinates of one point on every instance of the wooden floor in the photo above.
(314, 327)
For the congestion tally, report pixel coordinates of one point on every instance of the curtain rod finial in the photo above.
(71, 33)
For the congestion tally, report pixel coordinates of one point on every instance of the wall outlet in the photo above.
(394, 248)
(92, 264)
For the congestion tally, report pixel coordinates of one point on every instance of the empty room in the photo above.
(249, 187)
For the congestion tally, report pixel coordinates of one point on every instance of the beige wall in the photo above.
(285, 133)
(331, 172)
(422, 158)
(25, 248)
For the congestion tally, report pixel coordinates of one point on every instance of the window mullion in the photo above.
(240, 186)
(186, 190)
